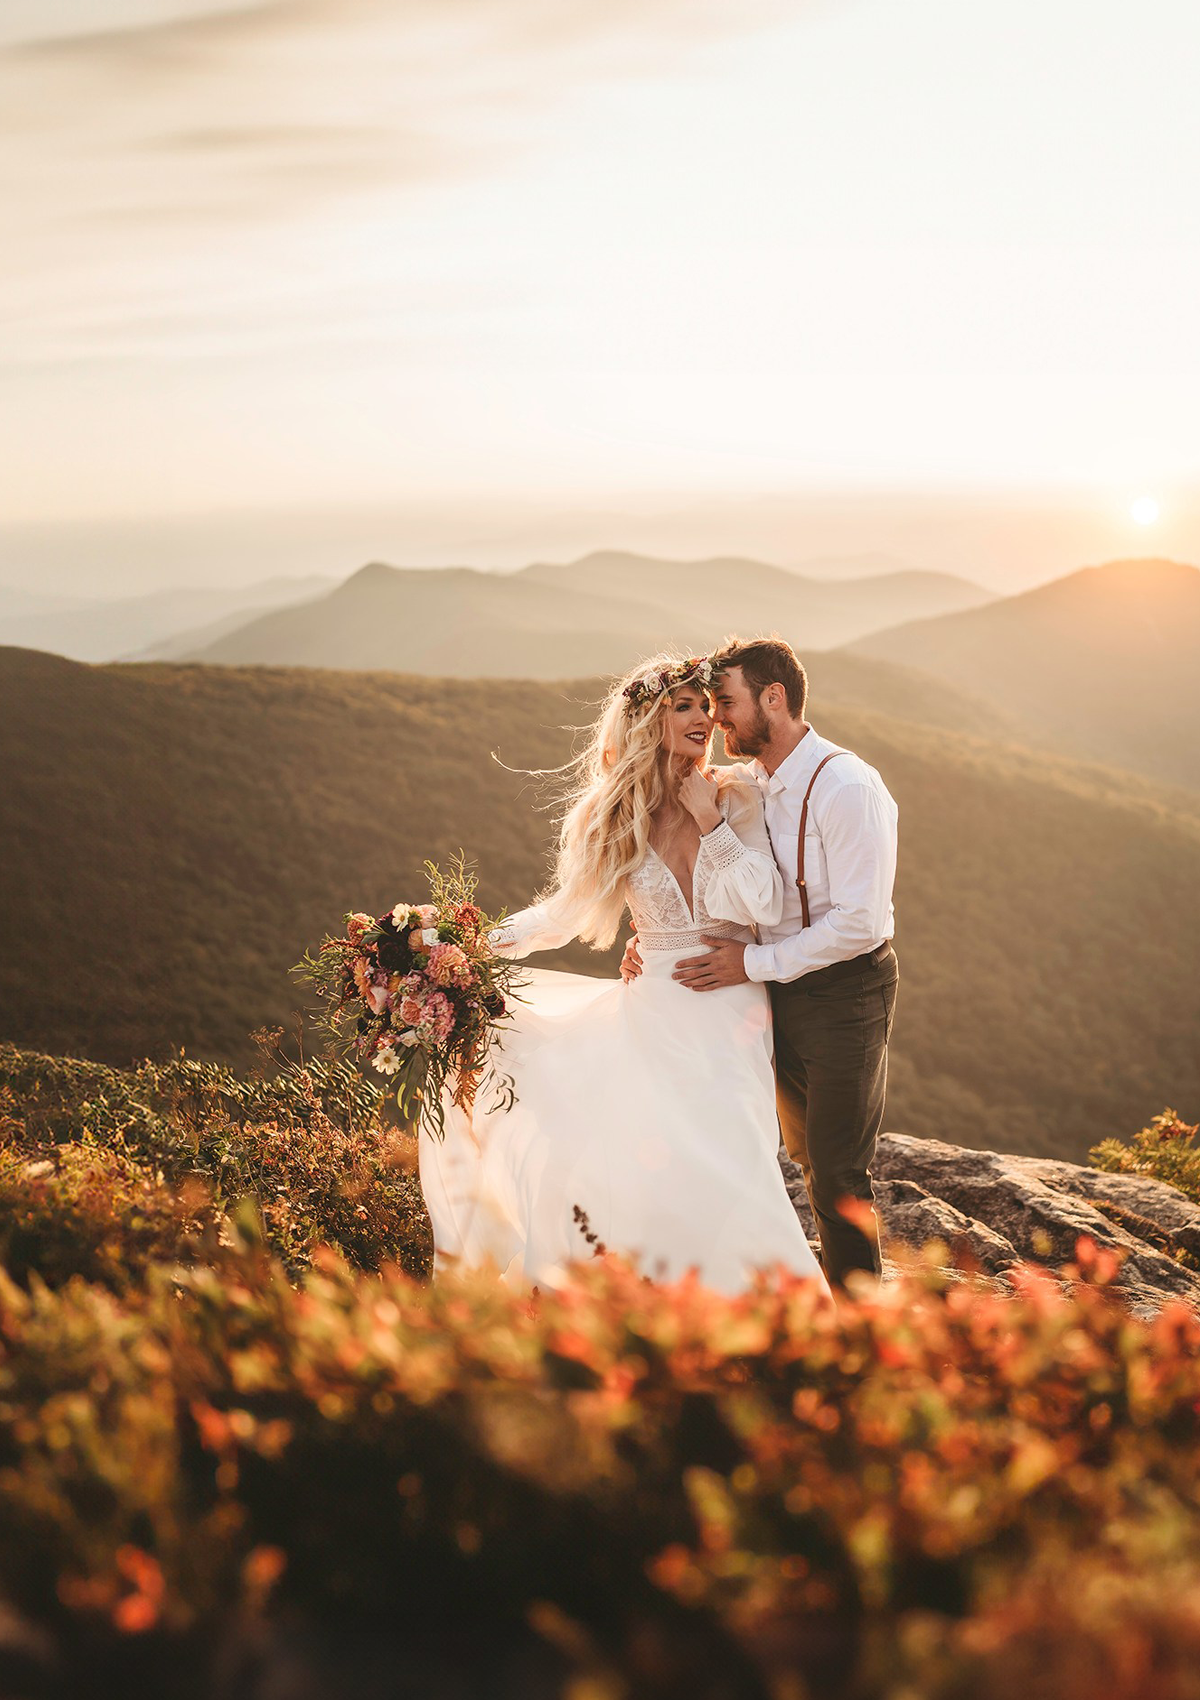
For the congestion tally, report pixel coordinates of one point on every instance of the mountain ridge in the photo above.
(599, 614)
(99, 629)
(1098, 664)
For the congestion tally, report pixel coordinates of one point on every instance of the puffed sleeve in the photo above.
(741, 880)
(543, 926)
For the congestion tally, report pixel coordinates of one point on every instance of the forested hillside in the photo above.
(1100, 665)
(175, 835)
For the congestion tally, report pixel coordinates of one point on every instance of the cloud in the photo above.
(151, 136)
(237, 23)
(220, 139)
(263, 66)
(406, 91)
(51, 35)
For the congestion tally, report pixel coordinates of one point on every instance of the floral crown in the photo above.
(651, 685)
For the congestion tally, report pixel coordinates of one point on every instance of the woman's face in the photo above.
(688, 728)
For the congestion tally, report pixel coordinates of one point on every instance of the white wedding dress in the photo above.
(648, 1107)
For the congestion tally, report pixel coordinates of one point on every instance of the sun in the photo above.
(1144, 511)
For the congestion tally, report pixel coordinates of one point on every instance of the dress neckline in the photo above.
(671, 875)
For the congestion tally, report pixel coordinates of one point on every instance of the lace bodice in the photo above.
(662, 916)
(736, 886)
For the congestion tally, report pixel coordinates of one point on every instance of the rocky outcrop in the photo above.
(995, 1210)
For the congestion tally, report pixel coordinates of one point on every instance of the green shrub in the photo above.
(103, 1169)
(86, 1211)
(1166, 1151)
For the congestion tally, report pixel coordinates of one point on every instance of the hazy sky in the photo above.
(322, 253)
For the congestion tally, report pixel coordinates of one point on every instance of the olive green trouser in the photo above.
(831, 1037)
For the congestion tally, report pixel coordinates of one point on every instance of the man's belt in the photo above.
(841, 970)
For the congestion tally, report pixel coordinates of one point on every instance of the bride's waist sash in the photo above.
(692, 940)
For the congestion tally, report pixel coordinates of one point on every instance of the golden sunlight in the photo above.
(1144, 511)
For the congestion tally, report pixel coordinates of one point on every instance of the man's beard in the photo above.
(751, 743)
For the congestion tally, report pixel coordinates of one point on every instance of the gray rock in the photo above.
(911, 1215)
(1138, 1201)
(994, 1210)
(1040, 1208)
(1163, 1204)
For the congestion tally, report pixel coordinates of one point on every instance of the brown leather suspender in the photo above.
(801, 887)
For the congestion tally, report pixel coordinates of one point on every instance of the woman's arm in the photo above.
(736, 867)
(543, 926)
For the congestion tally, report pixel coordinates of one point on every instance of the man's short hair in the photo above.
(766, 661)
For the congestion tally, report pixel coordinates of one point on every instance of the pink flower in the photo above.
(437, 1018)
(448, 966)
(410, 1011)
(357, 925)
(427, 914)
(377, 997)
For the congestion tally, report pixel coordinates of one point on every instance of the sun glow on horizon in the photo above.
(1144, 511)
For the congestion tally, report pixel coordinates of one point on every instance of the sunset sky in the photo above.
(465, 260)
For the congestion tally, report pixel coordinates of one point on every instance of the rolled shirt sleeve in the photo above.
(858, 831)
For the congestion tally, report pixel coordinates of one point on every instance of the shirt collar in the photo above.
(793, 768)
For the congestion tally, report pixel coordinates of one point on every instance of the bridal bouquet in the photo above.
(419, 994)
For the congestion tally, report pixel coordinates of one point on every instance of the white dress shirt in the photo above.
(849, 861)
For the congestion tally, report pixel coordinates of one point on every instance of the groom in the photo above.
(829, 964)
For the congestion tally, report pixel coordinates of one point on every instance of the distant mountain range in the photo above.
(140, 627)
(1101, 664)
(1098, 665)
(873, 564)
(19, 604)
(176, 835)
(752, 597)
(595, 615)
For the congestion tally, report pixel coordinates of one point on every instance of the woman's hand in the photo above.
(698, 794)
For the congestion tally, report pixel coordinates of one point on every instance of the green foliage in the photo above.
(933, 1494)
(103, 1171)
(1166, 1151)
(85, 1210)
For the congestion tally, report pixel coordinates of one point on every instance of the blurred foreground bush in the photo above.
(236, 1464)
(614, 1489)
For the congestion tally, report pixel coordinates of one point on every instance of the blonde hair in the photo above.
(614, 786)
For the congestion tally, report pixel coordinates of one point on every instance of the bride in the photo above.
(644, 1114)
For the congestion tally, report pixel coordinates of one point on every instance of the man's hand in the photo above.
(725, 965)
(631, 962)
